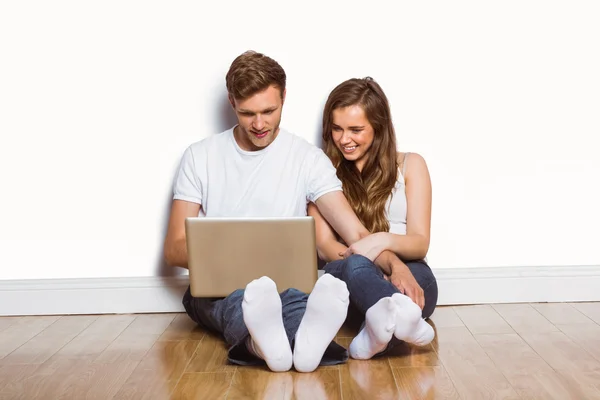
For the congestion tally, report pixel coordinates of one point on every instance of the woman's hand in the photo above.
(369, 246)
(404, 280)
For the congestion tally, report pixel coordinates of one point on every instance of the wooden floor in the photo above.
(513, 351)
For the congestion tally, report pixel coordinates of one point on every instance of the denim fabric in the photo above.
(367, 285)
(224, 316)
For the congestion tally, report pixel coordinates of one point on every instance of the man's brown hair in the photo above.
(253, 72)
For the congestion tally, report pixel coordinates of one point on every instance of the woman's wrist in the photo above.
(387, 241)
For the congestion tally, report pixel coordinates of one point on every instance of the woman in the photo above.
(391, 194)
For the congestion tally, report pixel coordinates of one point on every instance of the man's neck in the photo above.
(242, 140)
(246, 144)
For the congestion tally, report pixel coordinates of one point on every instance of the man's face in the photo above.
(258, 116)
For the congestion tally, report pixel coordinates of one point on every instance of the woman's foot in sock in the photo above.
(410, 327)
(262, 315)
(326, 311)
(380, 324)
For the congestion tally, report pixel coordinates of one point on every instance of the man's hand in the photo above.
(404, 280)
(370, 246)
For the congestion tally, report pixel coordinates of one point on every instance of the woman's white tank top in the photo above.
(396, 205)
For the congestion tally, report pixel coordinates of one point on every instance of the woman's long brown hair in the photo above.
(366, 191)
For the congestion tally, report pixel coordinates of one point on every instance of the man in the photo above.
(258, 169)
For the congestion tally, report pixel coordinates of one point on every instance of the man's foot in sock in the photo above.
(262, 315)
(326, 311)
(410, 327)
(380, 324)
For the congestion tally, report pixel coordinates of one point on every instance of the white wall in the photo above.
(98, 100)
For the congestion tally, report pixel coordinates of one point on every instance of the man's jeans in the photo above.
(224, 316)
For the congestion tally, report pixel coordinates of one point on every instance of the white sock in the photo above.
(380, 324)
(410, 327)
(326, 311)
(262, 315)
(253, 348)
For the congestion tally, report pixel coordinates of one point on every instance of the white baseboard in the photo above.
(163, 294)
(518, 284)
(92, 296)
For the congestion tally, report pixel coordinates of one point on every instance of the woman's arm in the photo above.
(328, 247)
(415, 244)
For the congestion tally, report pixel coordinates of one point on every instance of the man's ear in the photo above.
(283, 96)
(231, 101)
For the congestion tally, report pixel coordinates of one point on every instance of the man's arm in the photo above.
(328, 247)
(337, 212)
(175, 247)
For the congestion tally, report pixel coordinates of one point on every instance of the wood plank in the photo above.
(445, 317)
(157, 374)
(560, 352)
(587, 383)
(41, 347)
(5, 322)
(526, 371)
(21, 331)
(90, 343)
(367, 379)
(107, 373)
(585, 335)
(590, 310)
(11, 378)
(524, 319)
(133, 343)
(561, 313)
(420, 383)
(406, 355)
(182, 328)
(482, 319)
(323, 384)
(211, 356)
(473, 373)
(257, 383)
(96, 380)
(372, 379)
(47, 380)
(202, 386)
(150, 356)
(53, 378)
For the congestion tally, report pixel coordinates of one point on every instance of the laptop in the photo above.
(225, 254)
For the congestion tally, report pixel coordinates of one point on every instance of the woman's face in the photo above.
(352, 134)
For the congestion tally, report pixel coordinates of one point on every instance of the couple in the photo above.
(372, 209)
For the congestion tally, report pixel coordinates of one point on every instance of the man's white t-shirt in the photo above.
(277, 181)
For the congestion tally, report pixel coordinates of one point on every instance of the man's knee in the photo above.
(237, 294)
(292, 294)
